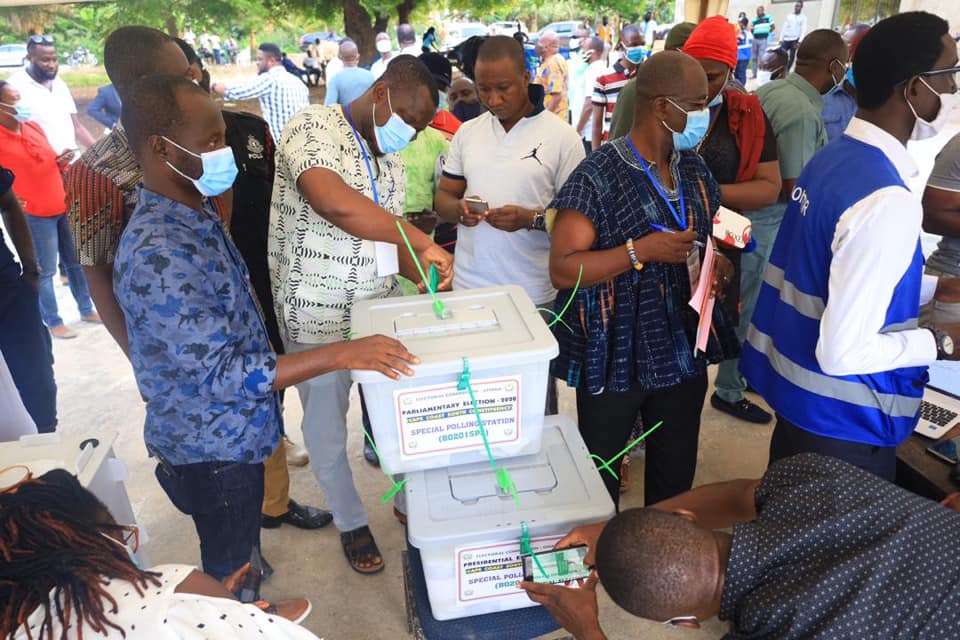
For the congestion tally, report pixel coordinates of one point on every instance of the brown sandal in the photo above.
(359, 546)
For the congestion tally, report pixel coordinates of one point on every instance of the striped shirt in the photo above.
(281, 96)
(607, 89)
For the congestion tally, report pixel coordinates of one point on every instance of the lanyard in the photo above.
(366, 158)
(681, 221)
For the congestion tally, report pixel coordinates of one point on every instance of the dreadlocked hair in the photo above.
(52, 555)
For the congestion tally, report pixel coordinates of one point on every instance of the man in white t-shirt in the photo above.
(48, 97)
(385, 49)
(649, 29)
(407, 39)
(594, 49)
(515, 158)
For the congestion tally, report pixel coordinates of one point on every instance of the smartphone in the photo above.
(946, 450)
(476, 206)
(559, 565)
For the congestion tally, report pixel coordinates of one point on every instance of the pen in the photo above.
(663, 229)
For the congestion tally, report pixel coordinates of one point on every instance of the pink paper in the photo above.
(702, 300)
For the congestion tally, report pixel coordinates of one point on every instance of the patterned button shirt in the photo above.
(198, 346)
(836, 552)
(554, 77)
(281, 95)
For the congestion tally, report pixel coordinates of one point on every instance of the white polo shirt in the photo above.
(52, 108)
(525, 167)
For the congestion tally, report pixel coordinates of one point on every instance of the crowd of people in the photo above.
(224, 253)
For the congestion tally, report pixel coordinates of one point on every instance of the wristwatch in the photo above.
(945, 346)
(539, 221)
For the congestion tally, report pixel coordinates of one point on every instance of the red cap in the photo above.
(713, 39)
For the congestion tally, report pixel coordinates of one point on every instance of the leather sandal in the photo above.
(360, 547)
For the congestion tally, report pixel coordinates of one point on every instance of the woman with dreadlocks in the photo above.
(66, 573)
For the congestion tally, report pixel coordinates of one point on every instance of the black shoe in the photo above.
(299, 516)
(744, 410)
(370, 455)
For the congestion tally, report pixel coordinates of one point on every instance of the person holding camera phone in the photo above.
(513, 160)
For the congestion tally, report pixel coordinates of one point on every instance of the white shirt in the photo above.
(281, 96)
(794, 27)
(594, 71)
(873, 244)
(411, 50)
(525, 167)
(380, 65)
(52, 108)
(649, 32)
(163, 614)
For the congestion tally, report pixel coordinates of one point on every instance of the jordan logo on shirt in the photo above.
(533, 154)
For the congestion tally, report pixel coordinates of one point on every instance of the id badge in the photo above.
(693, 268)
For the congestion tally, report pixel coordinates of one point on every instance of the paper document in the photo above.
(388, 261)
(703, 300)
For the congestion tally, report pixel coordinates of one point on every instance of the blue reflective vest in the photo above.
(779, 357)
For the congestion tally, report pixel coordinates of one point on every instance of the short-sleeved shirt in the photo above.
(40, 184)
(420, 159)
(554, 76)
(621, 119)
(946, 176)
(52, 108)
(594, 71)
(317, 269)
(836, 552)
(793, 107)
(525, 166)
(348, 85)
(199, 348)
(762, 26)
(839, 107)
(607, 90)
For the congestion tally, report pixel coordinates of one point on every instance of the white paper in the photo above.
(388, 260)
(493, 570)
(440, 418)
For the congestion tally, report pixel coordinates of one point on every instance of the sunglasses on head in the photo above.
(44, 39)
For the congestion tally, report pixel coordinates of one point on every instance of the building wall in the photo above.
(949, 10)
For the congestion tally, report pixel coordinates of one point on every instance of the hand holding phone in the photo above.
(474, 211)
(556, 566)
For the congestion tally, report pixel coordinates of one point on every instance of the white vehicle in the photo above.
(507, 28)
(13, 55)
(457, 33)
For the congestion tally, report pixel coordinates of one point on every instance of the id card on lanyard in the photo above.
(388, 261)
(693, 258)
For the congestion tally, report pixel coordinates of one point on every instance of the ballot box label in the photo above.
(493, 571)
(441, 418)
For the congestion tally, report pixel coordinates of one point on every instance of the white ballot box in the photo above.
(88, 456)
(468, 531)
(426, 421)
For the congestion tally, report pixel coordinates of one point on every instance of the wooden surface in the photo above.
(921, 472)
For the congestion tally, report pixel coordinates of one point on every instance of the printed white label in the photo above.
(440, 418)
(493, 571)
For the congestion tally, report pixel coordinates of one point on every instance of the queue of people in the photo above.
(202, 251)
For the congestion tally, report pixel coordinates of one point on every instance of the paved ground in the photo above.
(97, 392)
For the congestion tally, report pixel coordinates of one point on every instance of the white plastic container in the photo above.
(468, 532)
(425, 422)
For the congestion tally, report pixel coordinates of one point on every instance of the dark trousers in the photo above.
(26, 347)
(740, 73)
(789, 439)
(790, 48)
(606, 420)
(224, 500)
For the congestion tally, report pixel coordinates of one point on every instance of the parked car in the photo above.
(309, 38)
(457, 33)
(507, 28)
(565, 30)
(13, 55)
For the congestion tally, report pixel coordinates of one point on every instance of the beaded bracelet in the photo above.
(633, 255)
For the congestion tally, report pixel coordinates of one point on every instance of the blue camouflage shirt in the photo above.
(198, 344)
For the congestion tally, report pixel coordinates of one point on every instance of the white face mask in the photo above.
(763, 77)
(384, 46)
(923, 129)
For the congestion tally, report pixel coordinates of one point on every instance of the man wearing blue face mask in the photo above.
(629, 223)
(608, 86)
(197, 342)
(840, 105)
(338, 195)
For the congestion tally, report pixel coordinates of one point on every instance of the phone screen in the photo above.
(946, 450)
(560, 565)
(477, 206)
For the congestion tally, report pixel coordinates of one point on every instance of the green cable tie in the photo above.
(556, 318)
(605, 464)
(576, 287)
(526, 548)
(397, 486)
(438, 307)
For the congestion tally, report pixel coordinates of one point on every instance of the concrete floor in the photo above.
(97, 392)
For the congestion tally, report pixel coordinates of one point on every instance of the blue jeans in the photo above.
(740, 73)
(26, 347)
(224, 500)
(52, 238)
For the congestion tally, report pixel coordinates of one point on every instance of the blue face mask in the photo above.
(697, 124)
(718, 99)
(395, 135)
(22, 111)
(850, 78)
(130, 554)
(636, 55)
(443, 102)
(219, 170)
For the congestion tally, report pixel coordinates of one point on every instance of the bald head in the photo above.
(822, 44)
(349, 53)
(670, 74)
(549, 41)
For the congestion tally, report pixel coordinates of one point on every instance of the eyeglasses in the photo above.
(43, 39)
(952, 71)
(672, 622)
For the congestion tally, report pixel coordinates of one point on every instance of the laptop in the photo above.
(940, 407)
